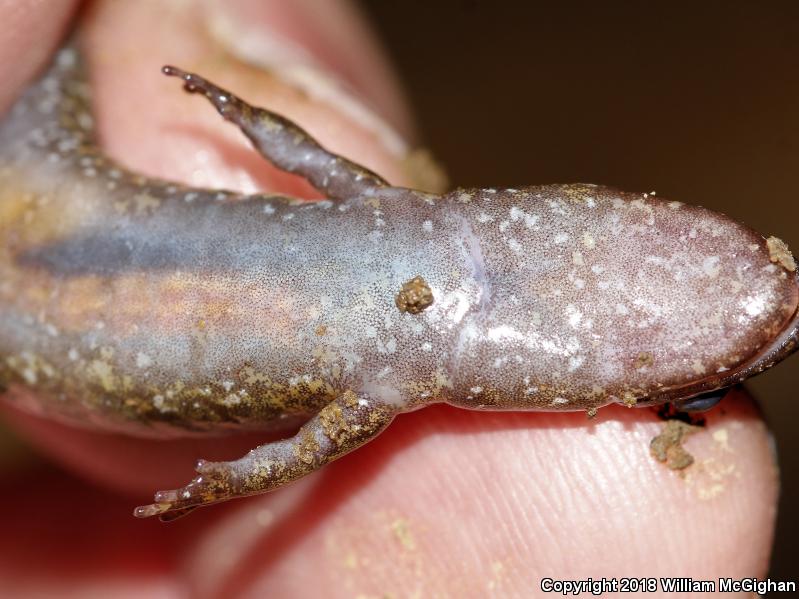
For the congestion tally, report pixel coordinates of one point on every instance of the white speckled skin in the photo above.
(594, 295)
(152, 308)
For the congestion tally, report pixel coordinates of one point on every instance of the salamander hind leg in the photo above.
(284, 143)
(344, 424)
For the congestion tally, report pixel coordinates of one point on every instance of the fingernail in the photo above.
(267, 45)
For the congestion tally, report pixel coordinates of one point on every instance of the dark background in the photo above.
(698, 101)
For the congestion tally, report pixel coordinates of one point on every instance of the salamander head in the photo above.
(598, 297)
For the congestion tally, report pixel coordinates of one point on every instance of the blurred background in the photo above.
(697, 101)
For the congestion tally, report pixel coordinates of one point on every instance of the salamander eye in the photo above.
(701, 403)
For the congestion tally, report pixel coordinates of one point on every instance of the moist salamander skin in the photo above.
(147, 307)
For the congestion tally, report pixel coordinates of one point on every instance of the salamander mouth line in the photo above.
(782, 345)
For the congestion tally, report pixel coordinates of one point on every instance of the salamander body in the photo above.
(155, 309)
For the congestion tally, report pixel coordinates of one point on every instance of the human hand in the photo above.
(445, 502)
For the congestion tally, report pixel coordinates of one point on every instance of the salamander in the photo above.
(151, 308)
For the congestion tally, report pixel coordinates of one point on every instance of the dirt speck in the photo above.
(643, 360)
(414, 296)
(425, 171)
(667, 446)
(498, 572)
(402, 531)
(778, 252)
(351, 561)
(722, 437)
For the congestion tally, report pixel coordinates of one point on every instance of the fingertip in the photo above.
(548, 493)
(29, 35)
(183, 141)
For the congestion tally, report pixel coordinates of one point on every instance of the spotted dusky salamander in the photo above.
(154, 309)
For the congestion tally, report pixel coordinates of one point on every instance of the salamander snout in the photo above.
(628, 299)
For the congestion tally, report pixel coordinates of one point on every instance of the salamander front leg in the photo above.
(285, 144)
(344, 424)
